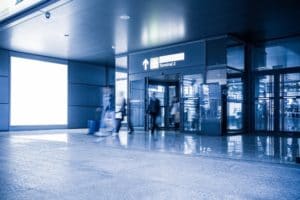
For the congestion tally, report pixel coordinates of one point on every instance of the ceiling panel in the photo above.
(94, 26)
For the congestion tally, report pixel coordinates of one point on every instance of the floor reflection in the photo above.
(41, 137)
(123, 139)
(189, 145)
(260, 148)
(235, 145)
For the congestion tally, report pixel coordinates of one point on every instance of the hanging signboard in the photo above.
(163, 61)
(173, 57)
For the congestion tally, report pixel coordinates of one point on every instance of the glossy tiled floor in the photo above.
(245, 147)
(72, 165)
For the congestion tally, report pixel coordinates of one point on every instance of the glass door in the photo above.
(290, 102)
(264, 103)
(191, 89)
(234, 104)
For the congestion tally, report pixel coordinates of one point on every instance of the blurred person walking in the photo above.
(121, 113)
(154, 111)
(175, 113)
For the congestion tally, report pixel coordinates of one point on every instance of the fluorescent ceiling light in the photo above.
(8, 8)
(125, 17)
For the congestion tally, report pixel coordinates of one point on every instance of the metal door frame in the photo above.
(224, 109)
(166, 84)
(276, 73)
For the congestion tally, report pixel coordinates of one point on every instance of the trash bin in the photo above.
(93, 126)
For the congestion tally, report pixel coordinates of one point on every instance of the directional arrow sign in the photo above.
(146, 63)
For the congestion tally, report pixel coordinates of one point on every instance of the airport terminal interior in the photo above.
(207, 95)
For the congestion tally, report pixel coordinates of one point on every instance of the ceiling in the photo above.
(95, 26)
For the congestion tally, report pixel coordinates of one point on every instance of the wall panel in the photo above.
(110, 76)
(79, 115)
(86, 82)
(4, 117)
(4, 63)
(84, 95)
(86, 73)
(4, 89)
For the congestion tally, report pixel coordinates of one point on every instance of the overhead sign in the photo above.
(163, 61)
(9, 8)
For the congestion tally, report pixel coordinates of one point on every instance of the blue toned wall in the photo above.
(86, 83)
(85, 86)
(4, 90)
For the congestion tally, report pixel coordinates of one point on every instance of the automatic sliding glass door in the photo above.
(234, 104)
(290, 102)
(191, 102)
(264, 103)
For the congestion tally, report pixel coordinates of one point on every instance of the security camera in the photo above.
(47, 15)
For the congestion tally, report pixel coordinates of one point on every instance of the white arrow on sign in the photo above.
(146, 63)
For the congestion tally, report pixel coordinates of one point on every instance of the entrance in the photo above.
(232, 105)
(166, 90)
(200, 104)
(277, 101)
(204, 107)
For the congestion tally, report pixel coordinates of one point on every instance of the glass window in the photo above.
(235, 104)
(290, 102)
(278, 54)
(264, 114)
(210, 108)
(265, 87)
(236, 57)
(264, 103)
(39, 92)
(191, 101)
(290, 85)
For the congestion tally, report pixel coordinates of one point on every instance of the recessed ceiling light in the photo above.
(125, 17)
(66, 35)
